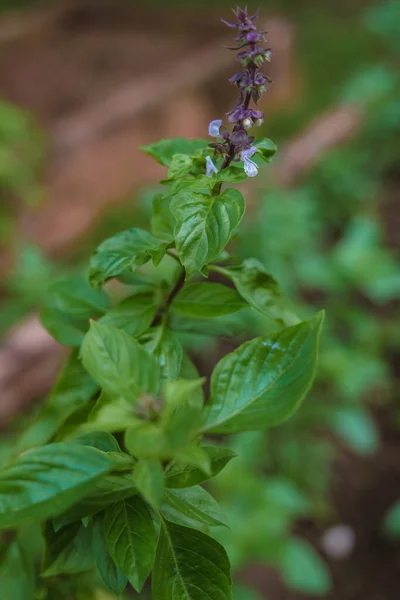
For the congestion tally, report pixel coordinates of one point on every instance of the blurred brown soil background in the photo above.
(103, 78)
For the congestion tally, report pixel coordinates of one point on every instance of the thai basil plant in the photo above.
(113, 466)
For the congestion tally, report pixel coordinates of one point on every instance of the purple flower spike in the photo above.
(251, 83)
(210, 167)
(214, 127)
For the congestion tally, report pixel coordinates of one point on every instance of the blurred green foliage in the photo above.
(21, 158)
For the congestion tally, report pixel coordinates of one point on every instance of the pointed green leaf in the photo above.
(162, 221)
(119, 364)
(45, 481)
(131, 540)
(192, 507)
(207, 300)
(125, 251)
(195, 456)
(74, 297)
(264, 381)
(166, 349)
(179, 166)
(204, 225)
(148, 441)
(181, 475)
(164, 150)
(67, 330)
(111, 414)
(206, 576)
(134, 314)
(266, 148)
(68, 551)
(149, 480)
(256, 286)
(108, 490)
(111, 576)
(102, 440)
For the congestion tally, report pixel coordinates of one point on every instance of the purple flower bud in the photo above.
(210, 167)
(214, 127)
(268, 55)
(253, 36)
(240, 138)
(235, 78)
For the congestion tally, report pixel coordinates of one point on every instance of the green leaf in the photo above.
(264, 381)
(134, 314)
(204, 225)
(125, 251)
(111, 576)
(205, 577)
(303, 569)
(68, 551)
(179, 166)
(164, 150)
(45, 481)
(166, 349)
(189, 371)
(192, 507)
(196, 457)
(233, 174)
(182, 413)
(73, 389)
(108, 490)
(181, 475)
(17, 579)
(391, 524)
(162, 221)
(73, 296)
(256, 286)
(130, 538)
(119, 364)
(111, 414)
(102, 440)
(206, 300)
(266, 148)
(147, 441)
(149, 480)
(66, 330)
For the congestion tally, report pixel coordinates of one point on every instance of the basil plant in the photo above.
(113, 466)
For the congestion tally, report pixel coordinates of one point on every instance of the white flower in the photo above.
(250, 167)
(210, 167)
(213, 128)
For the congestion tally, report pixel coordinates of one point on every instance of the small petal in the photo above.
(250, 167)
(248, 153)
(210, 167)
(213, 128)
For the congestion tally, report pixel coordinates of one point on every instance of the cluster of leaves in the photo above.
(113, 465)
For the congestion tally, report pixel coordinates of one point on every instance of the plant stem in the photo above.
(168, 301)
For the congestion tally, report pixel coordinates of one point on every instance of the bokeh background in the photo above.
(314, 505)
